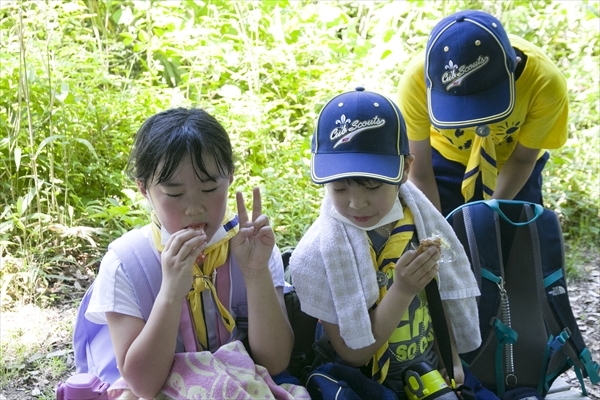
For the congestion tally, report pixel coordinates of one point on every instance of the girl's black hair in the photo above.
(169, 135)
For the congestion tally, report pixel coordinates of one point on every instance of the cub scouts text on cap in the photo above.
(359, 134)
(469, 71)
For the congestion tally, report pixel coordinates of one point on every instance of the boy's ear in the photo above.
(408, 159)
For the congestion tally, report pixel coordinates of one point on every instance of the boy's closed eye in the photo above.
(337, 186)
(368, 186)
(373, 187)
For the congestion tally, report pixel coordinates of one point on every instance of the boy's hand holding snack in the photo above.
(414, 270)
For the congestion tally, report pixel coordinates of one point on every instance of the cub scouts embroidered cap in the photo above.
(359, 134)
(469, 71)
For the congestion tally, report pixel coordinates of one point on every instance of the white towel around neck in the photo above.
(334, 276)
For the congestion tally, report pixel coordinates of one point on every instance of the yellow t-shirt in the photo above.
(539, 120)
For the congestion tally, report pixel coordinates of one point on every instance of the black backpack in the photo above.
(529, 334)
(304, 327)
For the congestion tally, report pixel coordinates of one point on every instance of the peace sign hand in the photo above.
(254, 242)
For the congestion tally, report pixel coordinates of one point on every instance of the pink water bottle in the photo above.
(82, 387)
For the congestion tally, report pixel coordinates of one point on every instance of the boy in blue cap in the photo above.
(355, 269)
(480, 107)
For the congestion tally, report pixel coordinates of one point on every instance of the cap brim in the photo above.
(325, 168)
(448, 111)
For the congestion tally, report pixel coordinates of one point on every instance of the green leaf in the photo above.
(127, 38)
(23, 202)
(158, 31)
(142, 36)
(116, 16)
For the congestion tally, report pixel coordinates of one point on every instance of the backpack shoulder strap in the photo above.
(92, 345)
(440, 326)
(141, 265)
(84, 333)
(239, 301)
(558, 313)
(477, 227)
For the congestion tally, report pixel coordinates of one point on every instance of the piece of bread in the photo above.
(428, 242)
(198, 227)
(200, 259)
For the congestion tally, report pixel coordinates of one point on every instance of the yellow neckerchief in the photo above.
(400, 237)
(482, 158)
(215, 256)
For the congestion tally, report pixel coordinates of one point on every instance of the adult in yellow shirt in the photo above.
(481, 107)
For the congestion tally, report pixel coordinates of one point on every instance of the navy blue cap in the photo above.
(469, 71)
(359, 134)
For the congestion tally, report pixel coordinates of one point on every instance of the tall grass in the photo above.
(78, 78)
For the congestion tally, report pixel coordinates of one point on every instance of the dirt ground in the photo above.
(49, 331)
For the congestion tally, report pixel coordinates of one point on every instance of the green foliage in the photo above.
(78, 78)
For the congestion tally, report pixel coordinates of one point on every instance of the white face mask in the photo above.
(395, 214)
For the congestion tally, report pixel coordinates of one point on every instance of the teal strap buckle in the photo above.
(554, 345)
(504, 333)
(591, 367)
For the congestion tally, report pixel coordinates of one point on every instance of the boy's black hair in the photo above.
(169, 135)
(363, 181)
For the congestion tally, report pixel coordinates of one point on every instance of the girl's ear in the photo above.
(408, 159)
(230, 178)
(142, 187)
